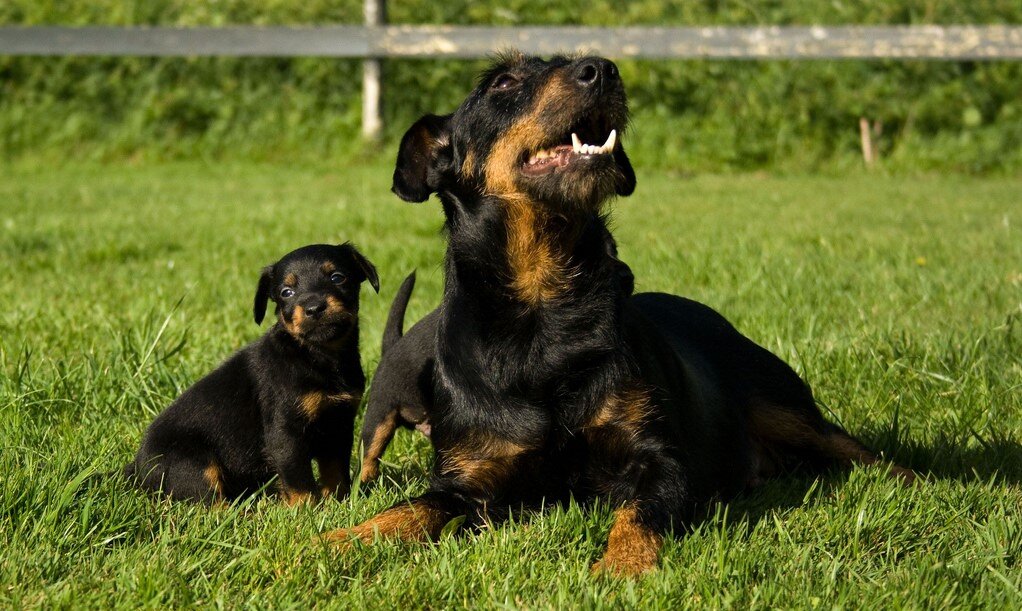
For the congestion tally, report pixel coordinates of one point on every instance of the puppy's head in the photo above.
(315, 290)
(546, 132)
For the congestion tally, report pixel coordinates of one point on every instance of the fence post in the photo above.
(372, 74)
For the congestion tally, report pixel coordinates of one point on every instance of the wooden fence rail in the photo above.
(423, 41)
(375, 40)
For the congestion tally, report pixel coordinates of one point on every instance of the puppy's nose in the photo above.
(315, 308)
(594, 71)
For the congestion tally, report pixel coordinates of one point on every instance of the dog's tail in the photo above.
(396, 319)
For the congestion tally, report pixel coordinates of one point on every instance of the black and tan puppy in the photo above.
(402, 390)
(277, 404)
(550, 380)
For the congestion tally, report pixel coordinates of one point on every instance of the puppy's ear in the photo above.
(626, 182)
(262, 294)
(417, 173)
(368, 269)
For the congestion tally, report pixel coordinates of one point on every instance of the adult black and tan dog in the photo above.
(277, 404)
(551, 380)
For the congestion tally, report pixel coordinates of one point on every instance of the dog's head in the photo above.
(315, 290)
(546, 132)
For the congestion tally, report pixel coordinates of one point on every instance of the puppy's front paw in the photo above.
(338, 492)
(298, 497)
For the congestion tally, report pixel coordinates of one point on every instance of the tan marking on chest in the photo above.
(538, 271)
(316, 402)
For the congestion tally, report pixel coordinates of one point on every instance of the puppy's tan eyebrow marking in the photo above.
(290, 280)
(327, 267)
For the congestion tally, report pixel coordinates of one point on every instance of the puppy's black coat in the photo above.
(402, 389)
(277, 404)
(550, 380)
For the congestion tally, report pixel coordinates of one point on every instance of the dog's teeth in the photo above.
(576, 144)
(608, 146)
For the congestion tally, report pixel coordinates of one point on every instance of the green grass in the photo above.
(899, 299)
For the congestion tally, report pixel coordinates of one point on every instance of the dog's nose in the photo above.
(593, 71)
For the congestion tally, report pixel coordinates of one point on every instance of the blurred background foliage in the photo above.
(688, 115)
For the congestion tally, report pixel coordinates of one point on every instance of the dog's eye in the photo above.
(287, 292)
(338, 278)
(504, 81)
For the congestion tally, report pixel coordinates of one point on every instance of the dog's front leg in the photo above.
(420, 519)
(634, 543)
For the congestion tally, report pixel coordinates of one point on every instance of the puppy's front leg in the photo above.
(333, 475)
(293, 464)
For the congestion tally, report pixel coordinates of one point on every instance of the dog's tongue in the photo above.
(561, 157)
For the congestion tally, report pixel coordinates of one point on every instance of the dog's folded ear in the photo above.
(262, 294)
(420, 159)
(368, 269)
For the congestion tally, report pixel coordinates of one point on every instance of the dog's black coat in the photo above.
(280, 402)
(550, 380)
(402, 392)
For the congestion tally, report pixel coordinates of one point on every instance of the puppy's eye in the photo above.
(287, 292)
(338, 278)
(504, 81)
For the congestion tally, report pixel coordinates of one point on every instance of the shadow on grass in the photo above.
(971, 459)
(964, 460)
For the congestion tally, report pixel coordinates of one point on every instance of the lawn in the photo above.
(898, 298)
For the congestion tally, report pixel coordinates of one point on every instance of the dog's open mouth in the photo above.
(560, 157)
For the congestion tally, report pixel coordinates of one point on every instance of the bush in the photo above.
(689, 115)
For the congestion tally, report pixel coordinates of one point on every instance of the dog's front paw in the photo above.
(624, 566)
(632, 548)
(340, 538)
